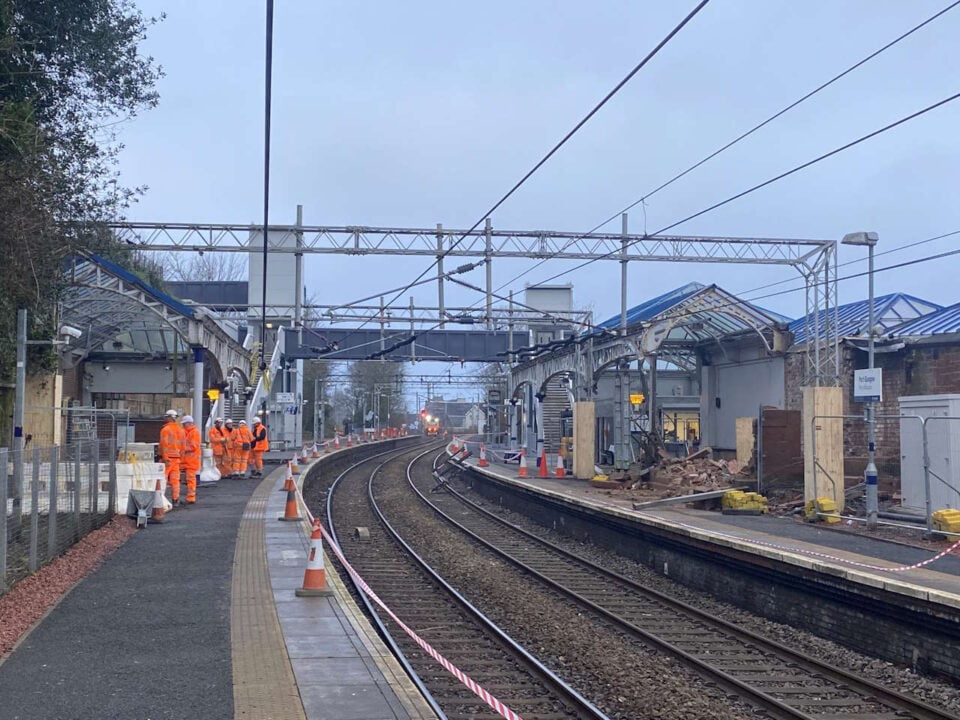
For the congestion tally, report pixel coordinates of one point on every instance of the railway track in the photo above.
(780, 681)
(439, 614)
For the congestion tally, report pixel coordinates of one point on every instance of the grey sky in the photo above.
(409, 114)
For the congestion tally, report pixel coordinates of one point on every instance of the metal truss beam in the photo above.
(429, 242)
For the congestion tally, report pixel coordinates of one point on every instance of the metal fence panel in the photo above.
(67, 492)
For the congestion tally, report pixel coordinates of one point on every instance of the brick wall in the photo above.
(916, 370)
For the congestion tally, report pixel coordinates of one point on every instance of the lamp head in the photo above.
(860, 238)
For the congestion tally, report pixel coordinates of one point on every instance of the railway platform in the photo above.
(858, 558)
(198, 617)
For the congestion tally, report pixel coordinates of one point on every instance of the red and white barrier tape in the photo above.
(814, 553)
(488, 698)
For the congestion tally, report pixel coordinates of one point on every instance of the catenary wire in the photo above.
(737, 139)
(556, 147)
(758, 186)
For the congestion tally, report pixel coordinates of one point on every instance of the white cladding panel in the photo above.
(550, 298)
(741, 389)
(281, 276)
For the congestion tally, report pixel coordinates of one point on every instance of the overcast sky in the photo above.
(409, 114)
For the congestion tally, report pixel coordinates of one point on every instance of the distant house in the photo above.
(458, 414)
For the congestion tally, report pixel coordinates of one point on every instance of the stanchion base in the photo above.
(307, 592)
(283, 518)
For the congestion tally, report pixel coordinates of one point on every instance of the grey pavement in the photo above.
(145, 636)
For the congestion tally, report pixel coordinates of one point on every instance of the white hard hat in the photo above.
(188, 418)
(229, 421)
(243, 422)
(256, 421)
(171, 413)
(219, 420)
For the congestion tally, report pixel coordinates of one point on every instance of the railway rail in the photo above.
(777, 679)
(436, 611)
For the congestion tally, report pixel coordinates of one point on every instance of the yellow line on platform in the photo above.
(263, 682)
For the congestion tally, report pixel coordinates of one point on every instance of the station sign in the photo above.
(285, 398)
(868, 385)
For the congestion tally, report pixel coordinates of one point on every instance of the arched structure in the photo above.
(106, 303)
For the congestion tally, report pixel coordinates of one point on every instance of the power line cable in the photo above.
(761, 185)
(856, 261)
(739, 138)
(560, 144)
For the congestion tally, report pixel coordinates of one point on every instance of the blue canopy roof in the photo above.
(940, 322)
(889, 311)
(132, 279)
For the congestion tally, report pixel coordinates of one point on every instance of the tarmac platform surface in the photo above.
(197, 618)
(813, 546)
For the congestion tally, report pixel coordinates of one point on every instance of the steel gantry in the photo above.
(814, 260)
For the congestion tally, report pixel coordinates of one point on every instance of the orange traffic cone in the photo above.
(349, 440)
(336, 442)
(454, 447)
(561, 471)
(315, 577)
(542, 472)
(326, 448)
(295, 465)
(158, 512)
(522, 472)
(288, 482)
(291, 513)
(314, 451)
(483, 456)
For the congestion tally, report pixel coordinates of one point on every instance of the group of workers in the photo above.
(235, 449)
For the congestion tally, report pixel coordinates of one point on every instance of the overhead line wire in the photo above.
(765, 183)
(560, 144)
(742, 136)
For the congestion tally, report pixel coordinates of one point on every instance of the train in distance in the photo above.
(430, 424)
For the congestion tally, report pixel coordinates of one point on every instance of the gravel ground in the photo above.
(626, 679)
(29, 599)
(933, 691)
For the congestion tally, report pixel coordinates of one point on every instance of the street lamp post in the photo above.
(869, 239)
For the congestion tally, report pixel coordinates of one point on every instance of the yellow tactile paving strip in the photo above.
(263, 683)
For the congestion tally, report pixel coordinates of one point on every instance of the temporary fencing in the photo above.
(51, 497)
(484, 695)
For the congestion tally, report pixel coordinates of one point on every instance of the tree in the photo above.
(315, 378)
(207, 266)
(377, 385)
(70, 71)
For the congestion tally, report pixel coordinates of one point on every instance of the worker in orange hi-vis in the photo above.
(260, 445)
(218, 443)
(172, 446)
(246, 446)
(191, 458)
(232, 448)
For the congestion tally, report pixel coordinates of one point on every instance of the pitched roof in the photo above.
(939, 322)
(653, 307)
(889, 311)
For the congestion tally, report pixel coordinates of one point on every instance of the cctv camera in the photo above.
(71, 331)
